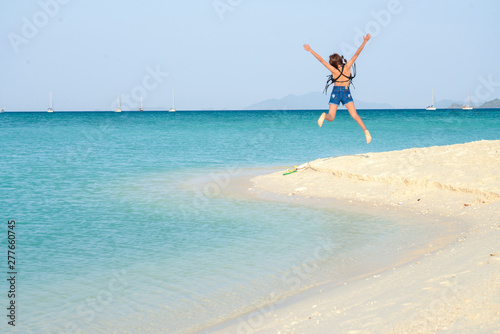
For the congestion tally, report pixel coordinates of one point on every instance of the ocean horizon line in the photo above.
(243, 110)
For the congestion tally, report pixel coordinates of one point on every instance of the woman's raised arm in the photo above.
(353, 59)
(327, 65)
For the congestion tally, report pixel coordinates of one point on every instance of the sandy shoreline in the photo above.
(454, 289)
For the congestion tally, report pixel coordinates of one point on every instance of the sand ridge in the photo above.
(442, 180)
(442, 168)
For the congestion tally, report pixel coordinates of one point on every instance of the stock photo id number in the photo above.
(11, 273)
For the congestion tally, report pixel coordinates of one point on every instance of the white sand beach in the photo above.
(453, 288)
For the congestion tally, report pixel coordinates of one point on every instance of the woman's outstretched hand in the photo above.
(307, 47)
(367, 37)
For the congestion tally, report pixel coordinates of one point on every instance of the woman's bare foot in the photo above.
(368, 136)
(321, 119)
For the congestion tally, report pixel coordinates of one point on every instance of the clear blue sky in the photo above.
(232, 53)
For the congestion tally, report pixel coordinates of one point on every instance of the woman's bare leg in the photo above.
(332, 111)
(355, 116)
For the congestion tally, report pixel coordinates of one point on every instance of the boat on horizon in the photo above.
(433, 104)
(118, 106)
(50, 108)
(140, 107)
(469, 105)
(173, 102)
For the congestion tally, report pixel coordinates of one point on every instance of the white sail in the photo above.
(173, 102)
(50, 109)
(433, 104)
(118, 105)
(469, 105)
(140, 107)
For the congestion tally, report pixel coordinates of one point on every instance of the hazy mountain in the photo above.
(491, 104)
(314, 100)
(488, 104)
(456, 106)
(441, 104)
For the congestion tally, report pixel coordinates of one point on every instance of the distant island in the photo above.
(319, 101)
(489, 104)
(314, 100)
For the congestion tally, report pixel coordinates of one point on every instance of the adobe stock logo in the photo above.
(151, 81)
(221, 7)
(485, 89)
(31, 28)
(381, 19)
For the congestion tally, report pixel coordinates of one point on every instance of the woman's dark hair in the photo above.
(336, 60)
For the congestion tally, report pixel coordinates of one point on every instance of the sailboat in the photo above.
(118, 106)
(173, 102)
(50, 108)
(433, 105)
(468, 106)
(140, 108)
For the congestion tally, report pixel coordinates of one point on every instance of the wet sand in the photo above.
(454, 287)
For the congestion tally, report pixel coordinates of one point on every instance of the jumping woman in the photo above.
(341, 77)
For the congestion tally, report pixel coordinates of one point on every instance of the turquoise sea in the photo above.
(124, 224)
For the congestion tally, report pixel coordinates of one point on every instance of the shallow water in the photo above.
(121, 224)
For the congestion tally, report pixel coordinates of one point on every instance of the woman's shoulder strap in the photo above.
(330, 79)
